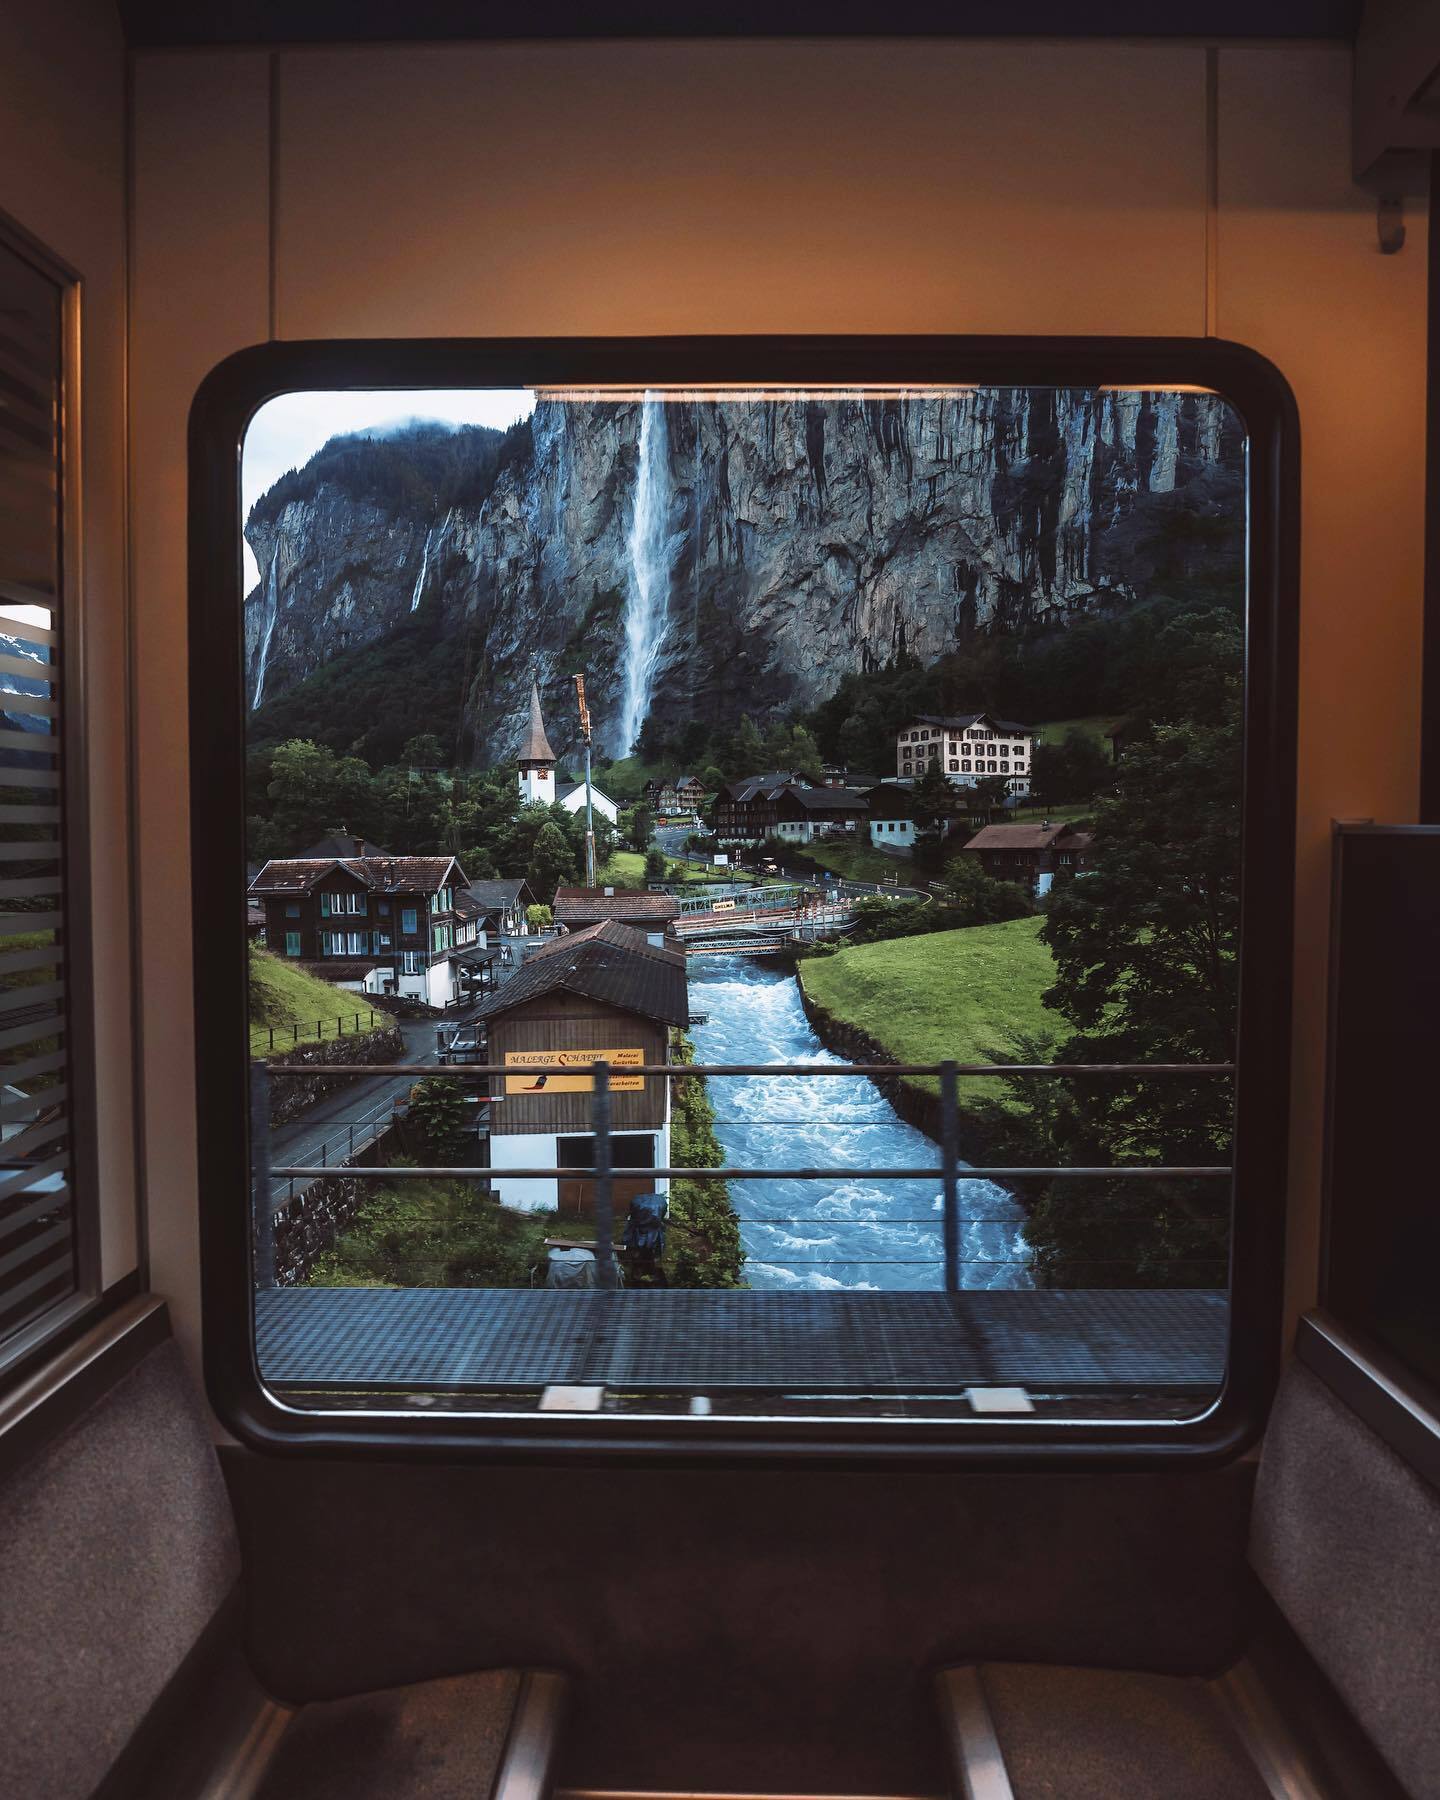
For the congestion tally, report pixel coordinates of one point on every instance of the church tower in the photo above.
(537, 759)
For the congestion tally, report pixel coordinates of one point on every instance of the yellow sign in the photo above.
(551, 1065)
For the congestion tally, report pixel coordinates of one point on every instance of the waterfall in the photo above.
(652, 551)
(435, 534)
(272, 607)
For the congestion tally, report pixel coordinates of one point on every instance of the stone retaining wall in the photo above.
(307, 1225)
(291, 1096)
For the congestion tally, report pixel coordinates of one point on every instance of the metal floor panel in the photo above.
(736, 1339)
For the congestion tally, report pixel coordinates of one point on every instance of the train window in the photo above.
(47, 1244)
(773, 1083)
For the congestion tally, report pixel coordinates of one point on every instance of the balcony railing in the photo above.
(950, 1171)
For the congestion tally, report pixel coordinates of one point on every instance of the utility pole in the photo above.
(589, 815)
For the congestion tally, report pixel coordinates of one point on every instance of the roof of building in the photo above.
(1027, 837)
(379, 874)
(675, 781)
(468, 907)
(496, 896)
(963, 721)
(338, 844)
(332, 969)
(746, 787)
(584, 906)
(578, 787)
(536, 747)
(608, 963)
(828, 799)
(891, 800)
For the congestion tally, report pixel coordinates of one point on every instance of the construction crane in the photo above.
(589, 815)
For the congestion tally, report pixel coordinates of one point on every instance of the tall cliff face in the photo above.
(760, 548)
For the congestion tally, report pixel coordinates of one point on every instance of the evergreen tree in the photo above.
(641, 827)
(749, 748)
(1074, 769)
(552, 860)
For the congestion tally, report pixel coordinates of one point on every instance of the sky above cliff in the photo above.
(287, 431)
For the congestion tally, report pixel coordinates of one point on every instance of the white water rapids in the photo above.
(272, 607)
(836, 1234)
(651, 547)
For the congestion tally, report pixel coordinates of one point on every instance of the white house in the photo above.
(573, 800)
(892, 816)
(968, 748)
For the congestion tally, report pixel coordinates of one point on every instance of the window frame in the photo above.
(40, 1336)
(223, 406)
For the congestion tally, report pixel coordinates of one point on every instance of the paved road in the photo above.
(357, 1103)
(672, 838)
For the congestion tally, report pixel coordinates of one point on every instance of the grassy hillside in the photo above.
(959, 994)
(1055, 731)
(282, 995)
(860, 861)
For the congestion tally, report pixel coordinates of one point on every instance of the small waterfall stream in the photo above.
(652, 550)
(272, 608)
(435, 536)
(845, 1234)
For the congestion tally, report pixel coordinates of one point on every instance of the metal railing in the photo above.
(950, 1171)
(262, 1037)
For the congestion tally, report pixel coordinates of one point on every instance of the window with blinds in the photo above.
(42, 1257)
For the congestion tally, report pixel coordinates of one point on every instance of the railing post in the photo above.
(604, 1206)
(949, 1163)
(262, 1218)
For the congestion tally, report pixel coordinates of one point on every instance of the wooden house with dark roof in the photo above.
(383, 924)
(505, 901)
(1032, 854)
(604, 993)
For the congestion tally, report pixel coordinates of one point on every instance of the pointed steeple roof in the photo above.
(536, 748)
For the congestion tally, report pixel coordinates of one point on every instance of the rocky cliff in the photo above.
(740, 554)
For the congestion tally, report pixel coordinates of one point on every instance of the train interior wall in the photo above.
(216, 199)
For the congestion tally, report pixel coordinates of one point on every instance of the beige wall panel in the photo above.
(637, 188)
(62, 175)
(1302, 280)
(201, 287)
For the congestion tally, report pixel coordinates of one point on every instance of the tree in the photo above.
(749, 748)
(864, 743)
(1146, 960)
(1074, 769)
(552, 860)
(424, 752)
(935, 798)
(641, 827)
(1145, 945)
(538, 917)
(438, 1119)
(313, 792)
(975, 898)
(656, 867)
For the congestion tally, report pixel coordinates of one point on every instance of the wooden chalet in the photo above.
(383, 924)
(602, 993)
(1033, 854)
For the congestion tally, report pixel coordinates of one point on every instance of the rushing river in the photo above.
(831, 1234)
